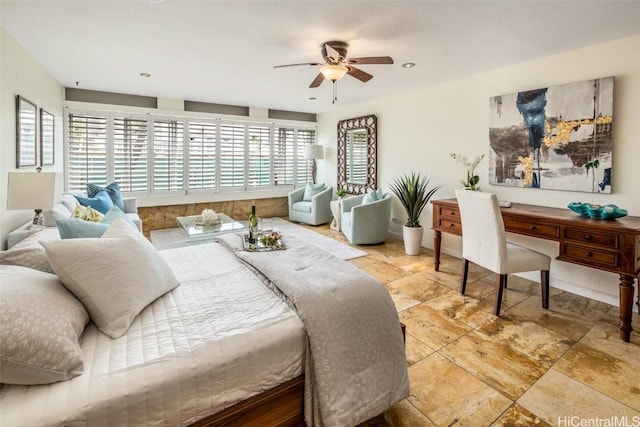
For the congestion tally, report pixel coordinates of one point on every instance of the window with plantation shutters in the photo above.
(161, 155)
(130, 153)
(86, 150)
(202, 155)
(259, 156)
(283, 153)
(232, 165)
(168, 155)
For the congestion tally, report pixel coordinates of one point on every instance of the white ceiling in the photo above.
(224, 51)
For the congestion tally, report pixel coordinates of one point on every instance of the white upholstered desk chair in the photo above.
(484, 242)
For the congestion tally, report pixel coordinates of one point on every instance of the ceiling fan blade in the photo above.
(295, 65)
(332, 53)
(317, 81)
(371, 60)
(359, 74)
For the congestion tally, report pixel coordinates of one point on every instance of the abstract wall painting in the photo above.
(557, 138)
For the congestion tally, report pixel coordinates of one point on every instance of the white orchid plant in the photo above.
(471, 182)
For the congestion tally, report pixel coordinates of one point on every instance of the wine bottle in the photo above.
(253, 225)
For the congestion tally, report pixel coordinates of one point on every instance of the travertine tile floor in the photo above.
(564, 366)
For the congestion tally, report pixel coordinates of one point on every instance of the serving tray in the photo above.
(260, 246)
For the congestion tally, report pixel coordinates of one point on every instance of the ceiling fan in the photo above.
(336, 64)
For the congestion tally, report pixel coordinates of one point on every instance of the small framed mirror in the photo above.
(26, 116)
(357, 154)
(47, 138)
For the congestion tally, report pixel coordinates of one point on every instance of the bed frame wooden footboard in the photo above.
(282, 406)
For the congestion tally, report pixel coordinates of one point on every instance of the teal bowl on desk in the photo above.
(597, 211)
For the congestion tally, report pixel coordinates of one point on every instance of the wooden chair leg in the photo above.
(505, 282)
(499, 289)
(465, 272)
(544, 288)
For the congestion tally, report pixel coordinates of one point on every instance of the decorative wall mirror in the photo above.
(357, 154)
(47, 138)
(26, 116)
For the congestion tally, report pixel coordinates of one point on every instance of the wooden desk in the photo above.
(608, 245)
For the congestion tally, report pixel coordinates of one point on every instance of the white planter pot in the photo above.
(412, 237)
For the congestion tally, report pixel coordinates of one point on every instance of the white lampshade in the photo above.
(31, 190)
(333, 72)
(313, 151)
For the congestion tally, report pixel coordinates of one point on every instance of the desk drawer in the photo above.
(450, 226)
(447, 212)
(589, 255)
(606, 240)
(536, 230)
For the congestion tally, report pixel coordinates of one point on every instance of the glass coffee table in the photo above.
(197, 232)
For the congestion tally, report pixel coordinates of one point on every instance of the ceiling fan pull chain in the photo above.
(335, 92)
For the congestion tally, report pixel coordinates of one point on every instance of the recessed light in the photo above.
(408, 65)
(145, 75)
(312, 98)
(156, 1)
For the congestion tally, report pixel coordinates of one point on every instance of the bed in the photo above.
(238, 342)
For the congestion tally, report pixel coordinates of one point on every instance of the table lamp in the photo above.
(313, 152)
(31, 190)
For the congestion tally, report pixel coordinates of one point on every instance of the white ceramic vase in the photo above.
(412, 237)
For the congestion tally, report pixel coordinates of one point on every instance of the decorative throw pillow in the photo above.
(35, 258)
(311, 190)
(113, 190)
(29, 252)
(370, 197)
(41, 325)
(100, 202)
(57, 212)
(115, 276)
(75, 228)
(116, 213)
(78, 212)
(87, 214)
(69, 201)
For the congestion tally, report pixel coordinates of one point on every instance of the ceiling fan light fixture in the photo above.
(333, 72)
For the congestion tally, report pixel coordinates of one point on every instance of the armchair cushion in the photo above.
(372, 196)
(311, 190)
(302, 206)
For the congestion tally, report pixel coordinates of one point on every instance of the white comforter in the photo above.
(218, 338)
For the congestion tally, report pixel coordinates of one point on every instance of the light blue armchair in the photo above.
(365, 224)
(315, 211)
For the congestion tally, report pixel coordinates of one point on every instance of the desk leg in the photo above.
(437, 241)
(626, 306)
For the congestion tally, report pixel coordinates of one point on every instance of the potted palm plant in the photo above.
(414, 194)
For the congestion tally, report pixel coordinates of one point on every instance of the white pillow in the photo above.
(39, 329)
(59, 211)
(115, 276)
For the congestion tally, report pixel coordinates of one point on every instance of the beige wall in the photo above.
(418, 130)
(21, 75)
